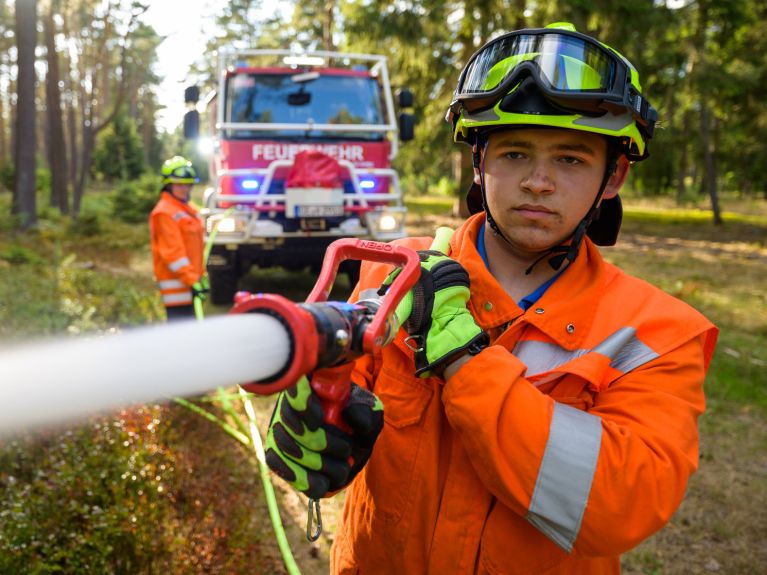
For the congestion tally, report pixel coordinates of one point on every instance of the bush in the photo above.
(86, 225)
(89, 500)
(133, 201)
(7, 171)
(119, 153)
(19, 255)
(8, 174)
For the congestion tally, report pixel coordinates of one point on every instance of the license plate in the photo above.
(314, 211)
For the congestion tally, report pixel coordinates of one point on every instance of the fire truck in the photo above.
(302, 145)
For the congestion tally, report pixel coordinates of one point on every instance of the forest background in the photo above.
(155, 489)
(77, 76)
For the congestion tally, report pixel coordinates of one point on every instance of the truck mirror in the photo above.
(299, 98)
(405, 98)
(191, 124)
(406, 127)
(192, 94)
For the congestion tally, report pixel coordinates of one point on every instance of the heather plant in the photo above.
(89, 499)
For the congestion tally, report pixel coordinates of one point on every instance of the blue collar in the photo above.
(530, 298)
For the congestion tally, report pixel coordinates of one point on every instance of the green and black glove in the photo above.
(440, 325)
(201, 288)
(316, 457)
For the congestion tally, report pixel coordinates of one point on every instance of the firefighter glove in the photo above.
(316, 457)
(201, 288)
(440, 326)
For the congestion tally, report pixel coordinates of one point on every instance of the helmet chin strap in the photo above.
(563, 252)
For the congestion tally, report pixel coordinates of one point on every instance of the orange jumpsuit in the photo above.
(177, 246)
(565, 443)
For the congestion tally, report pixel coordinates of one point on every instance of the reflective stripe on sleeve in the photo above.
(565, 476)
(180, 215)
(171, 284)
(177, 298)
(370, 293)
(179, 263)
(625, 350)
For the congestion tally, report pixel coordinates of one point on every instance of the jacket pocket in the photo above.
(390, 473)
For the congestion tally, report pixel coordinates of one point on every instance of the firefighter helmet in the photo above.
(555, 77)
(178, 170)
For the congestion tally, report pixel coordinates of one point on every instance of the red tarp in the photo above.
(313, 169)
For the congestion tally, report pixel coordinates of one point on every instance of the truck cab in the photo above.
(302, 152)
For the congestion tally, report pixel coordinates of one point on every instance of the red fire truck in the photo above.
(302, 151)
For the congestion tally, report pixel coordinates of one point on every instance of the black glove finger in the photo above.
(362, 416)
(313, 415)
(337, 473)
(336, 469)
(319, 484)
(337, 443)
(449, 273)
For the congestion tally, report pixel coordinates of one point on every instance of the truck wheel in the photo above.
(223, 286)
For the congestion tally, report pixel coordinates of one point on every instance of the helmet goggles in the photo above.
(183, 173)
(572, 70)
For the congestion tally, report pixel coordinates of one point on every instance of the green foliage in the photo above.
(119, 153)
(19, 255)
(87, 500)
(7, 174)
(87, 224)
(93, 300)
(429, 205)
(133, 201)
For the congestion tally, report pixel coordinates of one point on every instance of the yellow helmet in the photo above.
(554, 77)
(178, 170)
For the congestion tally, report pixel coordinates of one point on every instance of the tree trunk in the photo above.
(24, 201)
(327, 25)
(681, 187)
(56, 145)
(89, 139)
(3, 141)
(709, 161)
(72, 133)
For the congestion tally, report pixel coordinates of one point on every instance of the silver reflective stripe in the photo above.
(180, 215)
(565, 476)
(171, 284)
(177, 298)
(370, 293)
(625, 350)
(179, 263)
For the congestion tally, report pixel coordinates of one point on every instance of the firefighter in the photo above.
(177, 241)
(540, 406)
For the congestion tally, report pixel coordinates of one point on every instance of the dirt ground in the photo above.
(721, 526)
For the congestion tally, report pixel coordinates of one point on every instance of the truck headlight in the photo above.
(387, 222)
(226, 224)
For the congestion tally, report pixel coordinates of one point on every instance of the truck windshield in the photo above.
(304, 98)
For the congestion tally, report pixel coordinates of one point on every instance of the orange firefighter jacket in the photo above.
(565, 443)
(177, 246)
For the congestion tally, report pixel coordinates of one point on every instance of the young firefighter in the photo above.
(177, 241)
(540, 411)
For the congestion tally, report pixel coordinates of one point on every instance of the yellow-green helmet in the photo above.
(178, 170)
(553, 77)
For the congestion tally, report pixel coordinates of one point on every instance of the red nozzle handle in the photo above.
(368, 250)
